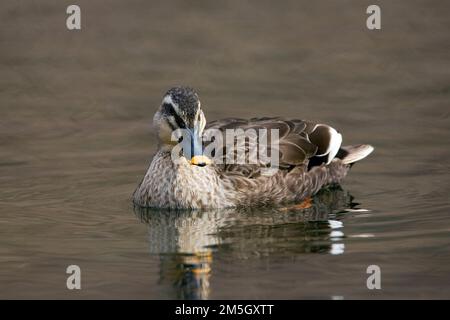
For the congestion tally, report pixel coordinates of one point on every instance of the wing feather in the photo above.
(299, 142)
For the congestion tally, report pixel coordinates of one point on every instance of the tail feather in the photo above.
(352, 154)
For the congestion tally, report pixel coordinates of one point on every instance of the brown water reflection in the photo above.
(186, 241)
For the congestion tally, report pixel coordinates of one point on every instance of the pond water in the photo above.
(76, 138)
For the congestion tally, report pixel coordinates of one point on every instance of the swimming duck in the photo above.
(309, 157)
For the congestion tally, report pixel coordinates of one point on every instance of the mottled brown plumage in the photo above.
(310, 157)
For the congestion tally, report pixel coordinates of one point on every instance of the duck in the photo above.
(182, 175)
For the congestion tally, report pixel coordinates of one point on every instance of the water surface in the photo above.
(76, 138)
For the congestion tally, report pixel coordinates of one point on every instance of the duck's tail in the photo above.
(352, 154)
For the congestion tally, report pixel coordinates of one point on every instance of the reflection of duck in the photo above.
(183, 240)
(186, 276)
(200, 231)
(310, 156)
(187, 241)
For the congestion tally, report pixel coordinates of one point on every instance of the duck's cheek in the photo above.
(181, 162)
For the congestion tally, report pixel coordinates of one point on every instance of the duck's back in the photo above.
(298, 143)
(310, 156)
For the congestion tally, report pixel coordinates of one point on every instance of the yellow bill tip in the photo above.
(200, 161)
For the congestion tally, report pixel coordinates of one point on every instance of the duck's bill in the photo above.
(200, 161)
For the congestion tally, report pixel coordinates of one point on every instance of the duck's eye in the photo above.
(180, 139)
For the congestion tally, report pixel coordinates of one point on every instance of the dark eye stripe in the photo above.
(170, 124)
(177, 118)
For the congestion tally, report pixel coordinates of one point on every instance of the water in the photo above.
(76, 137)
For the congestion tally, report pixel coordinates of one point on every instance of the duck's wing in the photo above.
(297, 142)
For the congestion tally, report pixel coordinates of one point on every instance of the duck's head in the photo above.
(181, 109)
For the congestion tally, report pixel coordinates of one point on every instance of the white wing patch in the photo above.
(328, 141)
(335, 144)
